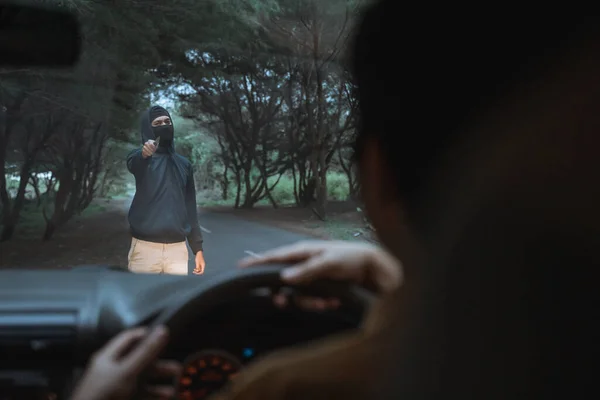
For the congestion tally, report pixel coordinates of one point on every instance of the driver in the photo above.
(408, 174)
(112, 372)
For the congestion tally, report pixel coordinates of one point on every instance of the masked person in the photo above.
(163, 213)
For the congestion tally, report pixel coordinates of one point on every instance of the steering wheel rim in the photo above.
(228, 286)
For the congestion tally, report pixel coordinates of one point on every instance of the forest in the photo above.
(262, 101)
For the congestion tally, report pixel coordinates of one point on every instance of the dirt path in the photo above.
(101, 238)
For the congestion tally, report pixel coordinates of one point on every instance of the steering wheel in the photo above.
(238, 283)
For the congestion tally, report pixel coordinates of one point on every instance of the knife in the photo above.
(157, 142)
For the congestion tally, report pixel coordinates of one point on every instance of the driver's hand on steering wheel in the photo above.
(114, 371)
(360, 263)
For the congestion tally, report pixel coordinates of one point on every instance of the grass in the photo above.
(32, 223)
(122, 196)
(340, 229)
(93, 209)
(283, 193)
(343, 230)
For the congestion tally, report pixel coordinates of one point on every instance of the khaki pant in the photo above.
(158, 258)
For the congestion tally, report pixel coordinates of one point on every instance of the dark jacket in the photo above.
(164, 207)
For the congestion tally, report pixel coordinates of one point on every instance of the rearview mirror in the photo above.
(38, 36)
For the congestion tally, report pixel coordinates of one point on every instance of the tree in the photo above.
(240, 100)
(314, 35)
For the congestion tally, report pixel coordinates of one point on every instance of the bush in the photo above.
(283, 192)
(337, 186)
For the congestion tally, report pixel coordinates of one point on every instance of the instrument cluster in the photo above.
(208, 371)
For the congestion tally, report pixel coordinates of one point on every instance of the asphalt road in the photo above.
(227, 239)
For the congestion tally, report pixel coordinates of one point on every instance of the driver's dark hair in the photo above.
(423, 74)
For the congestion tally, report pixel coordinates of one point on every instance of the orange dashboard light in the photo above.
(191, 370)
(185, 381)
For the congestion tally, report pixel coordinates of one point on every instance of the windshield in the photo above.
(225, 127)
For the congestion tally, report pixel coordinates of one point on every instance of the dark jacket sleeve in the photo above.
(136, 162)
(195, 237)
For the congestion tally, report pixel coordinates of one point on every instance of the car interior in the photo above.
(52, 322)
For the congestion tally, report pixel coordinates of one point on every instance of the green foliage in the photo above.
(283, 192)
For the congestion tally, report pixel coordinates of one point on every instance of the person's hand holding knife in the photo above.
(150, 147)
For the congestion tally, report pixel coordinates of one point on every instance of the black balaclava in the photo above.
(164, 132)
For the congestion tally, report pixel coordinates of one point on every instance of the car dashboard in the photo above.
(51, 323)
(233, 335)
(254, 326)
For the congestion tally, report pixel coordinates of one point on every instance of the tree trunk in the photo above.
(225, 184)
(49, 230)
(238, 191)
(12, 216)
(8, 230)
